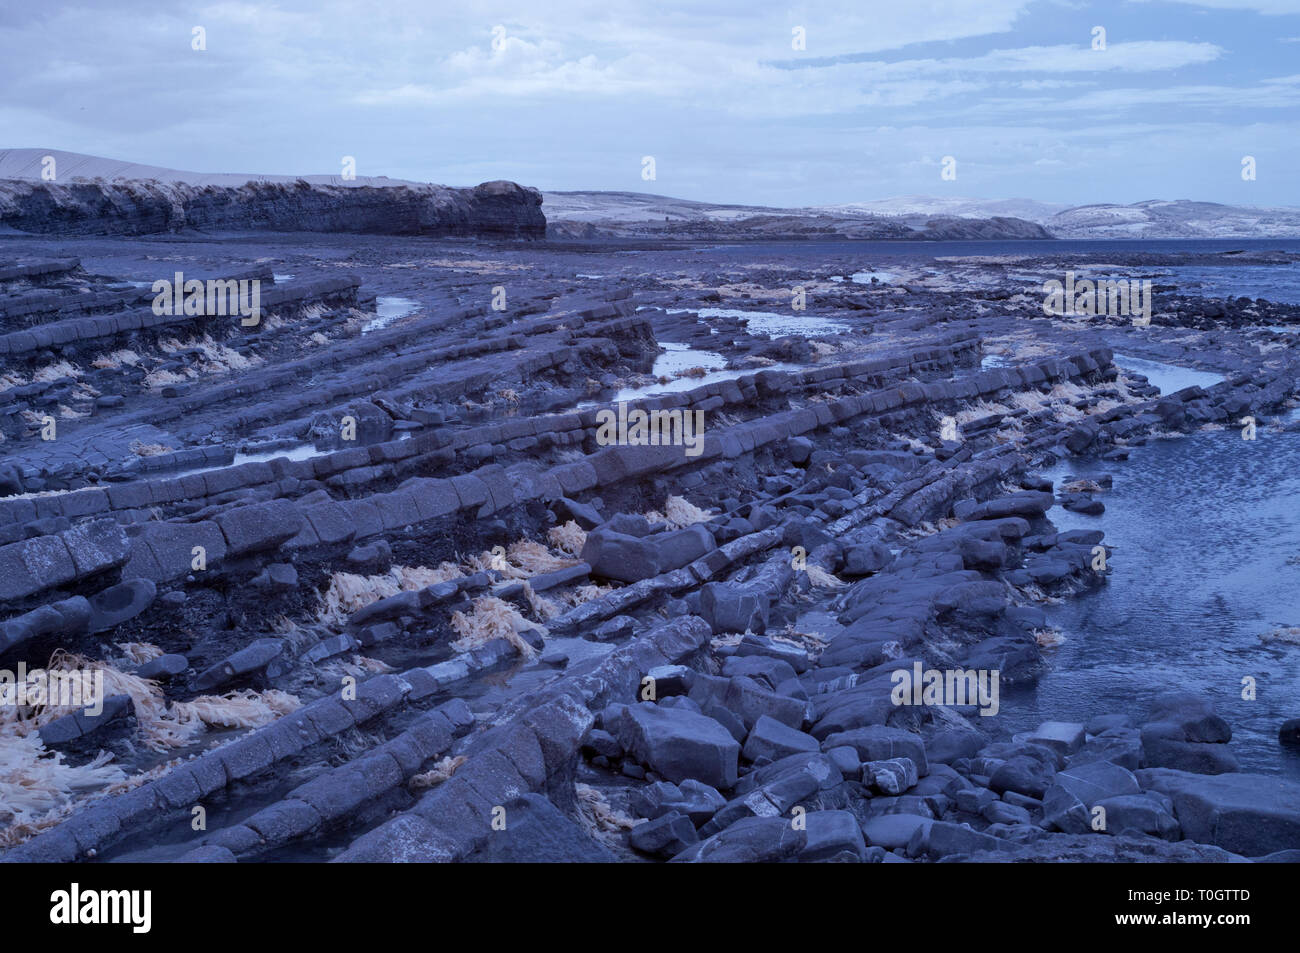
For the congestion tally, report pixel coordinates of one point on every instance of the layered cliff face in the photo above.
(139, 207)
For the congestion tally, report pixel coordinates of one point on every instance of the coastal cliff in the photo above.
(156, 201)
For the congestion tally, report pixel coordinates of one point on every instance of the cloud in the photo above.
(1265, 7)
(579, 90)
(1132, 57)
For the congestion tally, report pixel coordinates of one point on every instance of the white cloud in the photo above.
(582, 88)
(1266, 7)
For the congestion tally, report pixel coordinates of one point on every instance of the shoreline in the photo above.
(498, 583)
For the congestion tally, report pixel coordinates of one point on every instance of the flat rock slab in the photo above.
(1248, 814)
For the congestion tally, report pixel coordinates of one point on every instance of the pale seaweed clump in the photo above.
(980, 409)
(421, 577)
(54, 372)
(542, 607)
(806, 641)
(35, 782)
(139, 652)
(348, 592)
(823, 579)
(21, 831)
(240, 709)
(568, 538)
(1049, 638)
(358, 666)
(218, 357)
(115, 359)
(492, 618)
(158, 378)
(523, 559)
(1081, 486)
(372, 666)
(141, 449)
(599, 818)
(440, 772)
(160, 727)
(579, 594)
(1290, 635)
(78, 677)
(533, 557)
(679, 513)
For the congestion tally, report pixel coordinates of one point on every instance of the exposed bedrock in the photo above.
(470, 625)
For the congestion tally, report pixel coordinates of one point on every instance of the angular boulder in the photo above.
(679, 744)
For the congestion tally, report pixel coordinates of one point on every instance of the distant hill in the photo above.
(1180, 219)
(642, 215)
(79, 167)
(911, 216)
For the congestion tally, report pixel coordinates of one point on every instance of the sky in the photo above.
(575, 94)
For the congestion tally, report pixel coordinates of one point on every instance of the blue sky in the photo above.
(574, 93)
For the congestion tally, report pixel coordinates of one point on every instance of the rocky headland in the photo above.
(97, 197)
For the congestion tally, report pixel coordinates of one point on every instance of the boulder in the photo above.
(164, 667)
(771, 741)
(893, 831)
(119, 603)
(692, 798)
(1162, 751)
(1022, 774)
(866, 559)
(73, 727)
(614, 553)
(729, 607)
(1193, 714)
(942, 839)
(665, 836)
(752, 840)
(1065, 737)
(679, 744)
(1248, 814)
(880, 743)
(1028, 504)
(891, 777)
(833, 836)
(1141, 813)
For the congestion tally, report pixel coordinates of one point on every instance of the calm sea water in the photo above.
(1206, 537)
(1274, 282)
(1090, 247)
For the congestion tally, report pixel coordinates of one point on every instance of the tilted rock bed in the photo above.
(710, 681)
